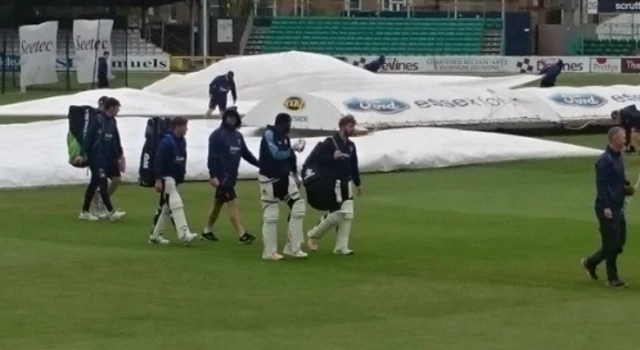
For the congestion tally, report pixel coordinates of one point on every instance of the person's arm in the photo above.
(232, 87)
(214, 160)
(159, 166)
(247, 155)
(355, 170)
(602, 181)
(90, 137)
(118, 141)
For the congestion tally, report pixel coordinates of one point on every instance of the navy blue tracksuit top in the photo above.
(171, 158)
(550, 74)
(610, 180)
(226, 148)
(220, 87)
(102, 143)
(630, 117)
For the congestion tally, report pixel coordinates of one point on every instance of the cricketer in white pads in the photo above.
(169, 170)
(278, 178)
(329, 174)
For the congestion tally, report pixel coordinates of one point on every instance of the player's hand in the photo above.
(214, 182)
(607, 213)
(78, 160)
(297, 179)
(235, 102)
(337, 154)
(359, 191)
(299, 145)
(122, 164)
(158, 186)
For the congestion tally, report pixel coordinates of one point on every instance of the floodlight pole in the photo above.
(204, 31)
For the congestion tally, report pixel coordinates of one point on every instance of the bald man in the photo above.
(612, 187)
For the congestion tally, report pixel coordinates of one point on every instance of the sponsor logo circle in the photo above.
(294, 104)
(581, 99)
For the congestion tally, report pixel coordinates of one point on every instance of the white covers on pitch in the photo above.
(42, 158)
(261, 76)
(91, 38)
(38, 49)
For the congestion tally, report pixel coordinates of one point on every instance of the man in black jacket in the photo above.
(612, 187)
(103, 71)
(102, 148)
(329, 174)
(375, 65)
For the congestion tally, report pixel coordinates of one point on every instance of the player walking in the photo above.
(329, 173)
(169, 170)
(278, 177)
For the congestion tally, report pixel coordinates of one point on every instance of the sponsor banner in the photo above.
(535, 64)
(444, 105)
(618, 6)
(152, 63)
(630, 65)
(38, 47)
(471, 64)
(91, 38)
(605, 65)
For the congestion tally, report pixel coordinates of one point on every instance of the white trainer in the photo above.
(345, 251)
(273, 257)
(87, 216)
(188, 238)
(297, 254)
(116, 215)
(158, 240)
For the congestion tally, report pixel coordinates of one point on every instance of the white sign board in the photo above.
(91, 39)
(38, 48)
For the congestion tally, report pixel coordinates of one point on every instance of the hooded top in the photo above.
(226, 148)
(171, 157)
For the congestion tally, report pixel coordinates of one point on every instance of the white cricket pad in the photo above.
(270, 216)
(344, 227)
(296, 223)
(177, 207)
(326, 224)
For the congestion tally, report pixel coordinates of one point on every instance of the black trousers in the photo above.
(614, 236)
(98, 181)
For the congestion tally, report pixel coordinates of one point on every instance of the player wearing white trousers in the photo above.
(330, 174)
(279, 182)
(169, 169)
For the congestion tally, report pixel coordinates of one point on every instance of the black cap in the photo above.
(230, 74)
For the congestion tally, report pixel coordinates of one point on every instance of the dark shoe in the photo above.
(208, 236)
(617, 284)
(591, 271)
(246, 238)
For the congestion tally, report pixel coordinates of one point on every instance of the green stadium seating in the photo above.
(379, 36)
(595, 47)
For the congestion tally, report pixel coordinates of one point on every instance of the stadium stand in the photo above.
(373, 36)
(122, 41)
(597, 47)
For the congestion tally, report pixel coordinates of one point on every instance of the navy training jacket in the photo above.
(171, 158)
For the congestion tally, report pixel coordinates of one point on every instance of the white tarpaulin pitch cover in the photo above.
(257, 77)
(43, 157)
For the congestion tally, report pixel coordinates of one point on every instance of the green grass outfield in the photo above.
(479, 257)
